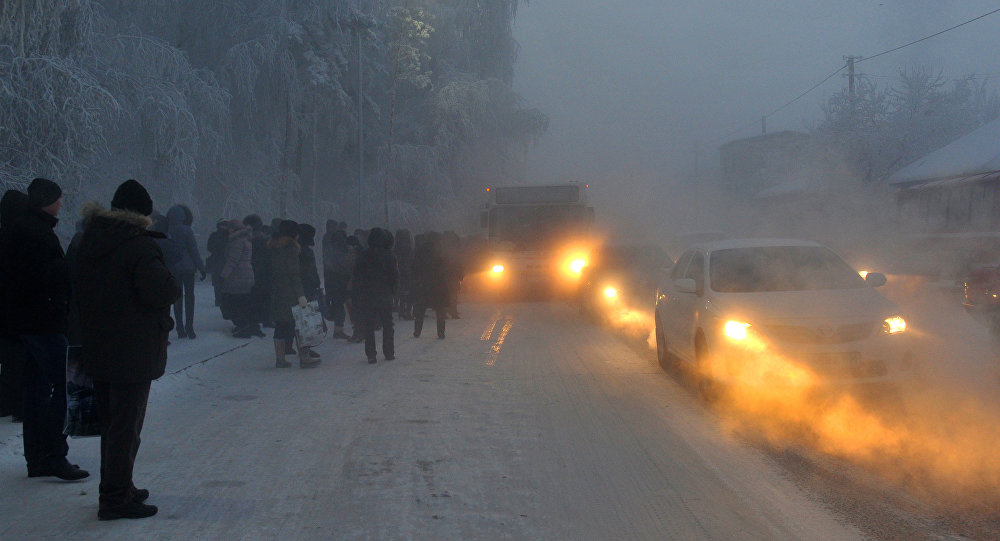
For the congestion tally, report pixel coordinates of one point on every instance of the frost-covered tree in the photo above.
(883, 128)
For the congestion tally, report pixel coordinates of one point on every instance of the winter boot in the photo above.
(279, 355)
(338, 332)
(418, 325)
(306, 360)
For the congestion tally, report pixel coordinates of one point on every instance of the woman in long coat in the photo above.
(430, 282)
(286, 291)
(238, 278)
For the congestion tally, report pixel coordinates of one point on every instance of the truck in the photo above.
(539, 237)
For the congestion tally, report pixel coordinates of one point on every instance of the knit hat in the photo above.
(132, 196)
(307, 235)
(42, 192)
(288, 228)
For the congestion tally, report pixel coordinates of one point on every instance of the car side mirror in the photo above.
(686, 285)
(875, 279)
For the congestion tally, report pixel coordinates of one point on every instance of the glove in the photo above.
(303, 302)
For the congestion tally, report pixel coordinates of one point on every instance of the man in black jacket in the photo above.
(37, 303)
(124, 293)
(375, 279)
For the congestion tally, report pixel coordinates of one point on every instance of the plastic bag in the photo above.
(310, 329)
(82, 416)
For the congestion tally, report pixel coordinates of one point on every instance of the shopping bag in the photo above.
(310, 329)
(82, 416)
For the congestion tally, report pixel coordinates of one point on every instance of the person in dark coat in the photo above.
(260, 309)
(125, 292)
(403, 250)
(287, 291)
(374, 285)
(239, 276)
(430, 283)
(337, 268)
(37, 300)
(451, 249)
(307, 262)
(12, 206)
(181, 237)
(217, 257)
(354, 250)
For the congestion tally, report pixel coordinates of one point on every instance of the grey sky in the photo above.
(630, 85)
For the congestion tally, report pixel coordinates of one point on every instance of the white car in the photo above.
(777, 310)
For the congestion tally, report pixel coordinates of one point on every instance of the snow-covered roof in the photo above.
(976, 153)
(799, 186)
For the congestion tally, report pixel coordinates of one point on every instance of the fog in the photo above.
(641, 94)
(638, 91)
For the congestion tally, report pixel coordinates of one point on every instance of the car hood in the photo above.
(839, 305)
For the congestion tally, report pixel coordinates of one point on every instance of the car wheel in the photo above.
(709, 389)
(662, 354)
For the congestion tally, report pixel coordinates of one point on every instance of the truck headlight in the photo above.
(893, 325)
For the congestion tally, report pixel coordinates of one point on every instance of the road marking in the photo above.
(489, 329)
(495, 350)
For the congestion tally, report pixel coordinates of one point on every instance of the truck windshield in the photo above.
(536, 227)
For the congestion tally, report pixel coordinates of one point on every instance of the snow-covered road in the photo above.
(525, 423)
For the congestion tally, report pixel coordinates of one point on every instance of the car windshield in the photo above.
(780, 268)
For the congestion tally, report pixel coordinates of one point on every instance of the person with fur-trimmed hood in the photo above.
(286, 291)
(124, 292)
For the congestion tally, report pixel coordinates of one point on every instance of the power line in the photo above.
(894, 49)
(857, 60)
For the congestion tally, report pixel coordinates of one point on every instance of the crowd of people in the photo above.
(260, 271)
(110, 295)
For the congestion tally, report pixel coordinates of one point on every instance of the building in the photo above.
(755, 164)
(955, 189)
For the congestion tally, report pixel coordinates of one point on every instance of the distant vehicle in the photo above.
(982, 297)
(537, 236)
(622, 275)
(733, 302)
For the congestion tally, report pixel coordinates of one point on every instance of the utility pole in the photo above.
(361, 122)
(850, 73)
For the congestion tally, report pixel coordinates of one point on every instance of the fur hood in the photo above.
(94, 209)
(109, 229)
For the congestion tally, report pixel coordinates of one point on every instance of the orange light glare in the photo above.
(610, 292)
(497, 269)
(736, 330)
(894, 325)
(864, 274)
(577, 265)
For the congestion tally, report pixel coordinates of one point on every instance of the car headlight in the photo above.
(736, 330)
(893, 325)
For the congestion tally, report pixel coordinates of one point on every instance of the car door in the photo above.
(686, 307)
(667, 300)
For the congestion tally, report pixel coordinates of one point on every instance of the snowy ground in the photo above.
(526, 423)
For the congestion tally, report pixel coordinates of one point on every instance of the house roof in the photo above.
(973, 154)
